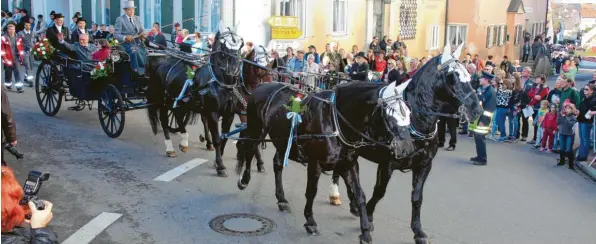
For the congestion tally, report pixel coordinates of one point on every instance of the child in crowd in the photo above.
(538, 122)
(549, 126)
(566, 123)
(566, 66)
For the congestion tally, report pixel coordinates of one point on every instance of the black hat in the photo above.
(487, 75)
(360, 54)
(58, 16)
(81, 19)
(312, 46)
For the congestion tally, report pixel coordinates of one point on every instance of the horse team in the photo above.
(392, 126)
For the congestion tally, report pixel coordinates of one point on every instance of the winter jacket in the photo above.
(7, 51)
(566, 123)
(552, 94)
(528, 85)
(101, 54)
(570, 94)
(540, 91)
(359, 71)
(26, 235)
(550, 121)
(9, 129)
(503, 97)
(380, 65)
(588, 104)
(514, 100)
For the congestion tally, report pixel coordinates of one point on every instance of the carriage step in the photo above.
(76, 108)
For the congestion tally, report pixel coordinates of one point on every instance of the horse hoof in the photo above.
(312, 230)
(241, 185)
(210, 148)
(284, 207)
(334, 200)
(354, 211)
(171, 154)
(222, 173)
(183, 149)
(422, 240)
(364, 240)
(261, 168)
(202, 138)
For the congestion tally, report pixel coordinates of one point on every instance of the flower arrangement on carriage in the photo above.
(113, 42)
(101, 70)
(43, 49)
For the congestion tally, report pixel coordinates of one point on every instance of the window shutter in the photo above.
(506, 34)
(488, 39)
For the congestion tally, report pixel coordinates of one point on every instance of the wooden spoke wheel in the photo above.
(111, 111)
(47, 89)
(173, 126)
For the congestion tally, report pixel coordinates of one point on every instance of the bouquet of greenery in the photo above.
(101, 70)
(43, 49)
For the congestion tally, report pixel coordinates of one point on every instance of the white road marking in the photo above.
(178, 171)
(88, 232)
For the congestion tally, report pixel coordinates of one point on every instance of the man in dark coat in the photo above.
(58, 27)
(360, 68)
(24, 19)
(488, 97)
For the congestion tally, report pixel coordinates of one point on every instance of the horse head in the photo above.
(226, 50)
(444, 81)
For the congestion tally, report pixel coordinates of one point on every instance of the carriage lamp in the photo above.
(115, 56)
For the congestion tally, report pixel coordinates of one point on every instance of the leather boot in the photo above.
(570, 157)
(561, 158)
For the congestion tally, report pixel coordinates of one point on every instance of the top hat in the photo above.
(58, 16)
(128, 4)
(487, 75)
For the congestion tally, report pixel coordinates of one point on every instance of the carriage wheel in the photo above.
(173, 125)
(111, 111)
(47, 89)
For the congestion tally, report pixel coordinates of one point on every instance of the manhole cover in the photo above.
(241, 224)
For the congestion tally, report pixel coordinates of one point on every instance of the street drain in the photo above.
(241, 224)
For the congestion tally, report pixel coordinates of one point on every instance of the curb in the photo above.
(587, 169)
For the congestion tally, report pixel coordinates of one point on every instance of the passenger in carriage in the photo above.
(80, 29)
(82, 49)
(103, 53)
(58, 28)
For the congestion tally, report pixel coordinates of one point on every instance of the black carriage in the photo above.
(62, 78)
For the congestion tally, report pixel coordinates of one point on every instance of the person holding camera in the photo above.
(13, 215)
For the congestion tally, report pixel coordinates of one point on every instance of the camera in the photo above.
(31, 188)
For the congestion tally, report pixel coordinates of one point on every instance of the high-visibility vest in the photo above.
(482, 130)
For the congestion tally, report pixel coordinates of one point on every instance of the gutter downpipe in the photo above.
(446, 20)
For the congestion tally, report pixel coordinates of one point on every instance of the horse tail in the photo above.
(155, 98)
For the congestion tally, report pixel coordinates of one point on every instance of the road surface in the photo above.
(520, 197)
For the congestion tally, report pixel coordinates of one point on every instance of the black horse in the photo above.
(361, 123)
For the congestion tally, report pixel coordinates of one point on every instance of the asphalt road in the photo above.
(520, 197)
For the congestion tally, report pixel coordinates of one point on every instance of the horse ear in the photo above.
(446, 53)
(458, 50)
(222, 28)
(236, 27)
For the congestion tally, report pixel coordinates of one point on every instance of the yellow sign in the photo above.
(285, 33)
(283, 21)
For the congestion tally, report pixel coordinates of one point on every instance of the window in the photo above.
(502, 35)
(209, 15)
(340, 24)
(295, 8)
(408, 15)
(457, 34)
(520, 34)
(147, 6)
(433, 37)
(489, 34)
(495, 35)
(517, 35)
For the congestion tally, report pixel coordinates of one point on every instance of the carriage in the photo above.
(62, 78)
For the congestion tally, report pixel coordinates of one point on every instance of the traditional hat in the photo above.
(360, 54)
(312, 46)
(81, 19)
(128, 4)
(487, 75)
(58, 16)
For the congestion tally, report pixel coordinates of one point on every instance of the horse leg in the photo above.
(334, 189)
(183, 134)
(219, 166)
(282, 202)
(349, 181)
(207, 136)
(383, 176)
(419, 176)
(260, 162)
(163, 117)
(226, 123)
(248, 150)
(360, 199)
(314, 172)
